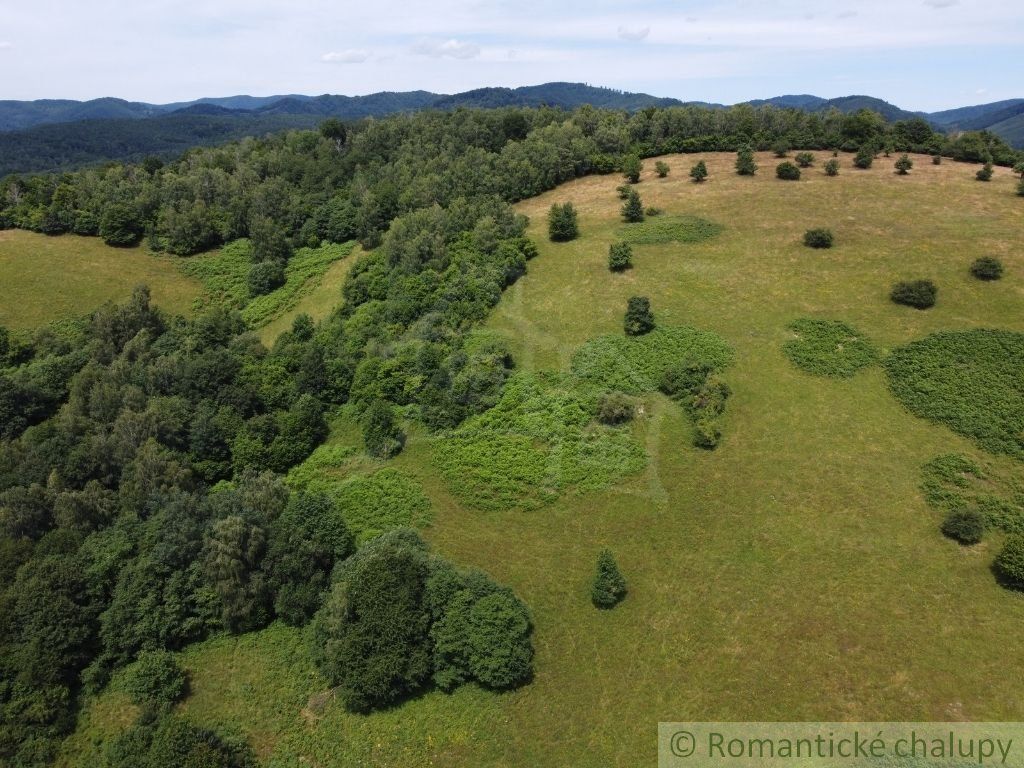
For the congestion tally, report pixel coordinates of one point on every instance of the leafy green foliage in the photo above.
(633, 208)
(985, 174)
(865, 157)
(562, 225)
(828, 348)
(745, 165)
(954, 484)
(173, 742)
(1009, 563)
(804, 159)
(780, 147)
(699, 172)
(987, 268)
(620, 256)
(966, 526)
(120, 225)
(639, 319)
(635, 364)
(971, 381)
(787, 171)
(904, 164)
(609, 587)
(537, 443)
(662, 169)
(832, 167)
(919, 294)
(699, 390)
(381, 433)
(818, 238)
(156, 680)
(671, 229)
(615, 408)
(264, 277)
(632, 168)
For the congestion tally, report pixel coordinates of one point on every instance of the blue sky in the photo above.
(919, 54)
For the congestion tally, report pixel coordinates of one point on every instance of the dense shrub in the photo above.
(985, 174)
(987, 268)
(828, 348)
(172, 742)
(670, 229)
(1009, 563)
(832, 167)
(965, 526)
(623, 191)
(696, 387)
(936, 159)
(818, 238)
(381, 434)
(780, 148)
(919, 294)
(903, 165)
(264, 277)
(620, 256)
(615, 408)
(787, 171)
(633, 208)
(804, 159)
(699, 172)
(609, 586)
(652, 210)
(632, 167)
(662, 169)
(972, 381)
(120, 225)
(156, 680)
(639, 319)
(562, 225)
(865, 157)
(745, 165)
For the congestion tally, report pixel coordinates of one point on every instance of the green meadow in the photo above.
(795, 572)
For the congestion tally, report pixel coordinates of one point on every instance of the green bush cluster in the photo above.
(903, 165)
(952, 483)
(865, 157)
(832, 167)
(633, 208)
(804, 159)
(174, 742)
(818, 238)
(787, 171)
(987, 268)
(614, 408)
(399, 618)
(828, 348)
(671, 229)
(662, 169)
(155, 680)
(745, 164)
(562, 223)
(966, 526)
(638, 319)
(620, 257)
(971, 381)
(699, 390)
(919, 294)
(538, 442)
(985, 174)
(699, 172)
(1009, 563)
(609, 586)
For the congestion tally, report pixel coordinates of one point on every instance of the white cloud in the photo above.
(452, 48)
(348, 56)
(940, 3)
(634, 35)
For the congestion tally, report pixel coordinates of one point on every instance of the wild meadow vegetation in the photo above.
(373, 539)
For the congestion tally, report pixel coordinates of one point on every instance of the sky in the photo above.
(919, 54)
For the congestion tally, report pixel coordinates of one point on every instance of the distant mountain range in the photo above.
(55, 134)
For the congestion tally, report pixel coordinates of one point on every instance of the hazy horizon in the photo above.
(922, 55)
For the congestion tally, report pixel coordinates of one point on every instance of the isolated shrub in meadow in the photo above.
(804, 159)
(632, 167)
(919, 294)
(865, 157)
(780, 148)
(614, 408)
(562, 224)
(652, 210)
(706, 433)
(699, 172)
(662, 169)
(828, 348)
(818, 238)
(787, 171)
(639, 319)
(903, 165)
(1018, 168)
(987, 268)
(936, 159)
(745, 165)
(832, 167)
(620, 256)
(382, 436)
(985, 174)
(965, 526)
(623, 191)
(609, 586)
(633, 209)
(1009, 563)
(155, 680)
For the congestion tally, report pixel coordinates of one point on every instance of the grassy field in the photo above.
(53, 278)
(793, 573)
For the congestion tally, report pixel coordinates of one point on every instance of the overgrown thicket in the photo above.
(828, 348)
